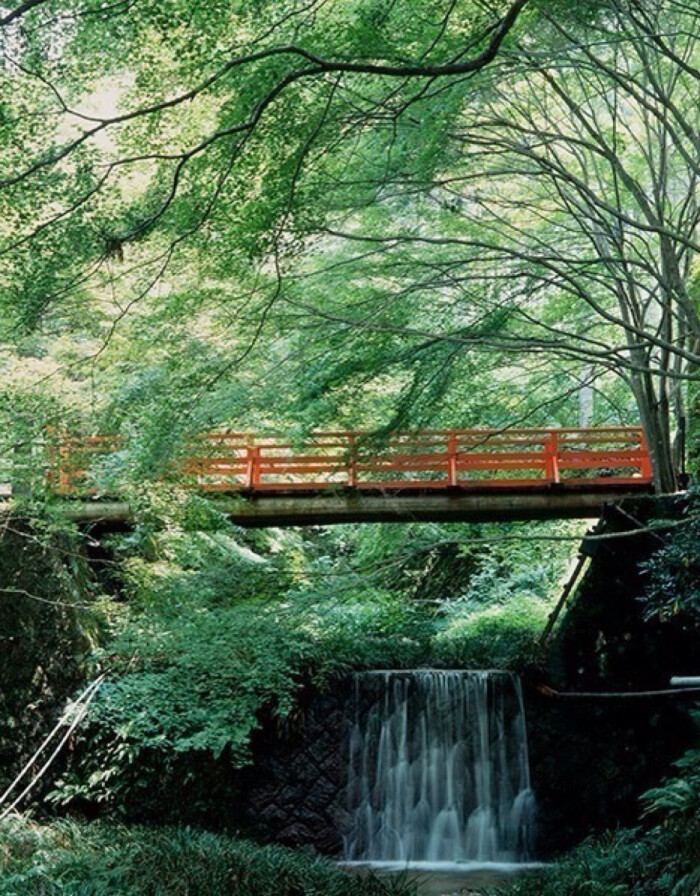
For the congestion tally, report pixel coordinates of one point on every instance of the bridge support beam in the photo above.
(303, 509)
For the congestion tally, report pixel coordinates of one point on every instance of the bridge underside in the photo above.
(314, 509)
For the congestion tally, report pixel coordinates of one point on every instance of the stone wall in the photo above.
(295, 793)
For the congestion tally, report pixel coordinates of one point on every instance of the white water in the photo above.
(438, 769)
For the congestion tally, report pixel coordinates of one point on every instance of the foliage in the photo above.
(500, 636)
(223, 628)
(229, 232)
(352, 213)
(662, 859)
(196, 680)
(100, 859)
(673, 571)
(47, 629)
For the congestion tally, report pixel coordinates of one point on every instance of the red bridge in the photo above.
(460, 474)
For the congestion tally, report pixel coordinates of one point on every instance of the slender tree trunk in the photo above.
(653, 415)
(660, 449)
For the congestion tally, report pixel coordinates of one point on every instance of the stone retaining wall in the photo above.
(295, 793)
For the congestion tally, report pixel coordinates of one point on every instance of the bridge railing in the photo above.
(71, 460)
(431, 459)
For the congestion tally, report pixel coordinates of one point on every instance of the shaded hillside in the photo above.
(593, 756)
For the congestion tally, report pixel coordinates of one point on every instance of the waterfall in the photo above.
(438, 768)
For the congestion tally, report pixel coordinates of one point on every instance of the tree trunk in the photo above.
(655, 425)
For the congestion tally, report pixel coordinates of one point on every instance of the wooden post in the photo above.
(352, 463)
(568, 588)
(551, 459)
(451, 459)
(253, 468)
(63, 461)
(645, 469)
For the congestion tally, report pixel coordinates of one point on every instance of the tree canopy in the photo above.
(364, 213)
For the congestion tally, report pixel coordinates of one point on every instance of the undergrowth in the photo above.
(101, 859)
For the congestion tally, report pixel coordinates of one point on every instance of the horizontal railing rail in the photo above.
(431, 459)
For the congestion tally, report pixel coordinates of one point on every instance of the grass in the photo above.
(105, 859)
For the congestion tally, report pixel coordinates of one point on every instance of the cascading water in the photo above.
(438, 768)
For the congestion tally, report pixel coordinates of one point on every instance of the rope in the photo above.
(82, 703)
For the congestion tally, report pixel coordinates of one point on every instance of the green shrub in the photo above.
(673, 571)
(101, 859)
(189, 682)
(370, 629)
(221, 630)
(499, 636)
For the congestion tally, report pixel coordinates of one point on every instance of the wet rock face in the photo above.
(295, 793)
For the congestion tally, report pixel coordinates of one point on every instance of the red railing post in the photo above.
(252, 478)
(551, 459)
(352, 462)
(451, 459)
(64, 476)
(51, 462)
(645, 468)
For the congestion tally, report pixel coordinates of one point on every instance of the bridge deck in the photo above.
(308, 509)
